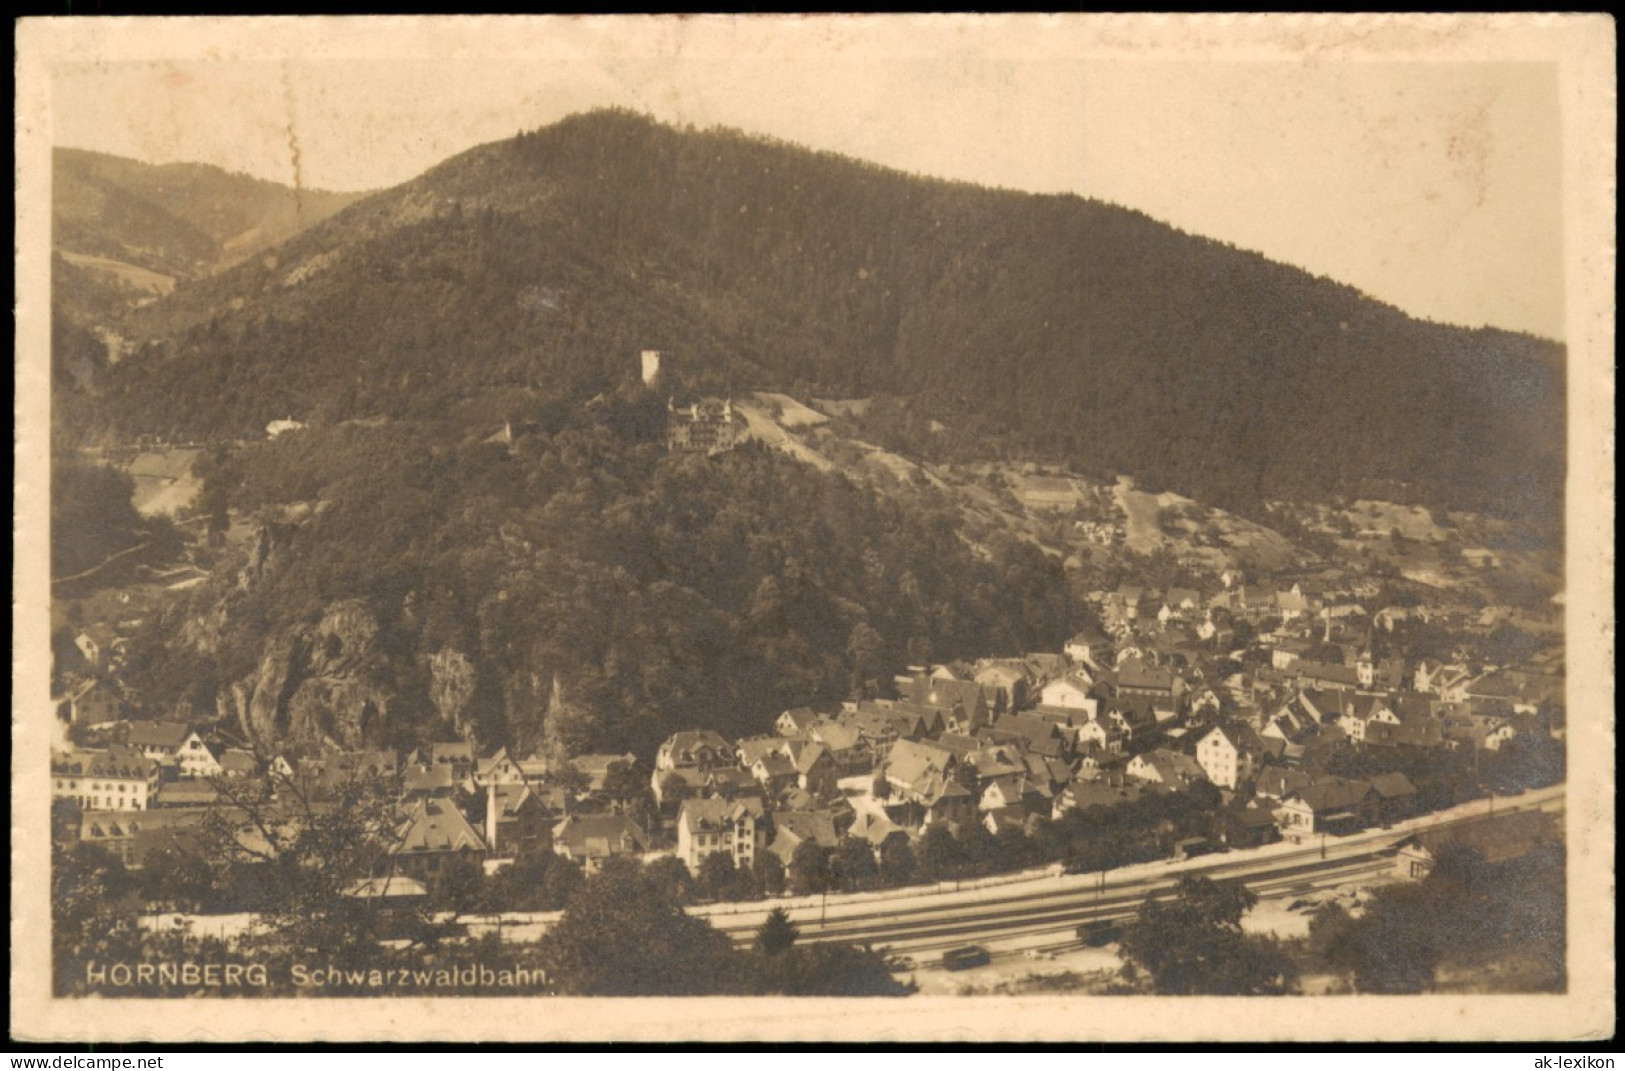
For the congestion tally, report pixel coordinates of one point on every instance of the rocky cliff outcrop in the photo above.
(319, 686)
(451, 687)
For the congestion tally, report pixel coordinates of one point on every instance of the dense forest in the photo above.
(582, 589)
(124, 232)
(1052, 326)
(93, 521)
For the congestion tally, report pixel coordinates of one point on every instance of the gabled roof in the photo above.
(1394, 785)
(1291, 602)
(164, 734)
(451, 751)
(996, 760)
(1102, 793)
(910, 761)
(1173, 767)
(511, 799)
(799, 717)
(834, 736)
(187, 793)
(600, 835)
(116, 763)
(1001, 671)
(1332, 794)
(1013, 816)
(1089, 637)
(395, 886)
(1331, 703)
(1241, 736)
(1138, 711)
(102, 825)
(359, 764)
(758, 747)
(1012, 789)
(236, 760)
(534, 767)
(424, 778)
(945, 789)
(1253, 817)
(682, 746)
(774, 766)
(916, 719)
(1074, 679)
(1058, 715)
(1046, 666)
(958, 743)
(795, 827)
(1026, 728)
(809, 758)
(705, 816)
(1418, 732)
(665, 781)
(875, 828)
(1279, 781)
(1347, 676)
(1365, 707)
(598, 764)
(1046, 768)
(728, 777)
(946, 694)
(436, 825)
(1134, 673)
(1412, 707)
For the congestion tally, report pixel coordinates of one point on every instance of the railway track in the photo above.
(941, 927)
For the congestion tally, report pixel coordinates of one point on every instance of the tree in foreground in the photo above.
(830, 970)
(716, 876)
(1193, 944)
(768, 870)
(854, 863)
(625, 935)
(897, 866)
(303, 857)
(809, 868)
(777, 934)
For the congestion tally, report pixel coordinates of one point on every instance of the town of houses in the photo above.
(1161, 699)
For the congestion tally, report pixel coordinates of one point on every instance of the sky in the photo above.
(1433, 185)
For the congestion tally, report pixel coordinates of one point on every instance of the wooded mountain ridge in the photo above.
(1053, 326)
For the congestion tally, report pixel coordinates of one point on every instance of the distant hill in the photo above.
(125, 232)
(180, 220)
(1048, 325)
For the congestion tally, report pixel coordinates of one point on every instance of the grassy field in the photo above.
(136, 277)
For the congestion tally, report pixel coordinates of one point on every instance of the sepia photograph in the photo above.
(893, 528)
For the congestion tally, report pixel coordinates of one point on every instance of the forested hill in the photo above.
(1051, 325)
(125, 233)
(175, 219)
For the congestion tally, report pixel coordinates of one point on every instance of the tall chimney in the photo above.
(491, 815)
(651, 367)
